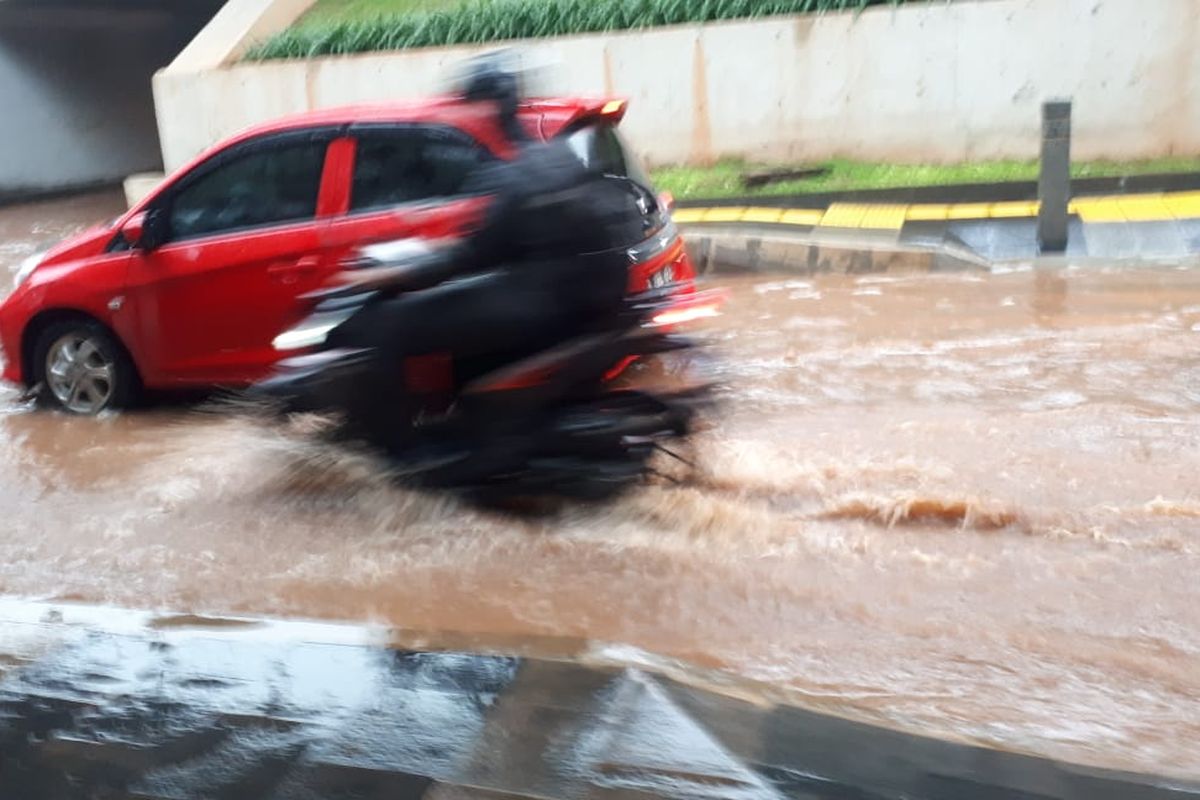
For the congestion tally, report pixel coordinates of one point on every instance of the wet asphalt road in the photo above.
(110, 704)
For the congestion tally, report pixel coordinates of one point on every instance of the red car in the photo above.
(189, 287)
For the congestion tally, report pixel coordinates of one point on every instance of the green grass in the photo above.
(723, 179)
(325, 13)
(339, 27)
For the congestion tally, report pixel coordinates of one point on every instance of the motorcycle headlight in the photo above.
(27, 267)
(303, 336)
(312, 331)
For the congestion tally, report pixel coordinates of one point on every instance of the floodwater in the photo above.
(963, 504)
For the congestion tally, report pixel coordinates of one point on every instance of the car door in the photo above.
(241, 239)
(407, 180)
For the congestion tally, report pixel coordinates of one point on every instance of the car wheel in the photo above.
(83, 369)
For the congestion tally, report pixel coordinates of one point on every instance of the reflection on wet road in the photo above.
(961, 504)
(119, 704)
(32, 227)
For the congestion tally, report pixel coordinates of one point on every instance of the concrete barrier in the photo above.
(935, 82)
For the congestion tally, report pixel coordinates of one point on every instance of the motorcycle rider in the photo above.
(546, 261)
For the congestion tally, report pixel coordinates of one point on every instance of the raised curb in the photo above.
(734, 248)
(1143, 207)
(938, 237)
(965, 193)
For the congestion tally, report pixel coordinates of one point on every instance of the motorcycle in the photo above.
(546, 424)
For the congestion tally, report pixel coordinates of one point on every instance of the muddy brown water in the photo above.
(962, 504)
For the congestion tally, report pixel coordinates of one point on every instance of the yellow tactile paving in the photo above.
(928, 211)
(884, 217)
(762, 215)
(731, 214)
(844, 215)
(1144, 208)
(968, 211)
(1099, 209)
(1010, 210)
(1183, 205)
(802, 216)
(1148, 207)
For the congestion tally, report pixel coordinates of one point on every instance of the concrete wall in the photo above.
(75, 92)
(929, 82)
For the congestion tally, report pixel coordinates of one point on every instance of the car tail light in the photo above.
(703, 305)
(678, 316)
(613, 110)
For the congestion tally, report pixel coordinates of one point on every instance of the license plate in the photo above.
(663, 277)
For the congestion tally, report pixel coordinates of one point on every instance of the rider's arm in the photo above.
(491, 241)
(485, 247)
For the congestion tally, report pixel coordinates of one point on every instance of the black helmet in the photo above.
(490, 77)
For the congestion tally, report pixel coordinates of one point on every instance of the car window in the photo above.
(406, 165)
(601, 147)
(262, 187)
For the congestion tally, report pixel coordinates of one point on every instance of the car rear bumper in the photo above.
(663, 252)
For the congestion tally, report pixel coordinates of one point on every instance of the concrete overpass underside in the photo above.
(75, 97)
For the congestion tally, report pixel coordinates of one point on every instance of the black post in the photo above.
(1054, 184)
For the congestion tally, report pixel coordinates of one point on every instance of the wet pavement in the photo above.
(118, 704)
(960, 505)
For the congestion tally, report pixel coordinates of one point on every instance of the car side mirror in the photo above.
(143, 231)
(134, 229)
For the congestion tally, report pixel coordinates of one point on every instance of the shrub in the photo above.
(479, 21)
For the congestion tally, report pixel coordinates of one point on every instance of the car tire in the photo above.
(81, 368)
